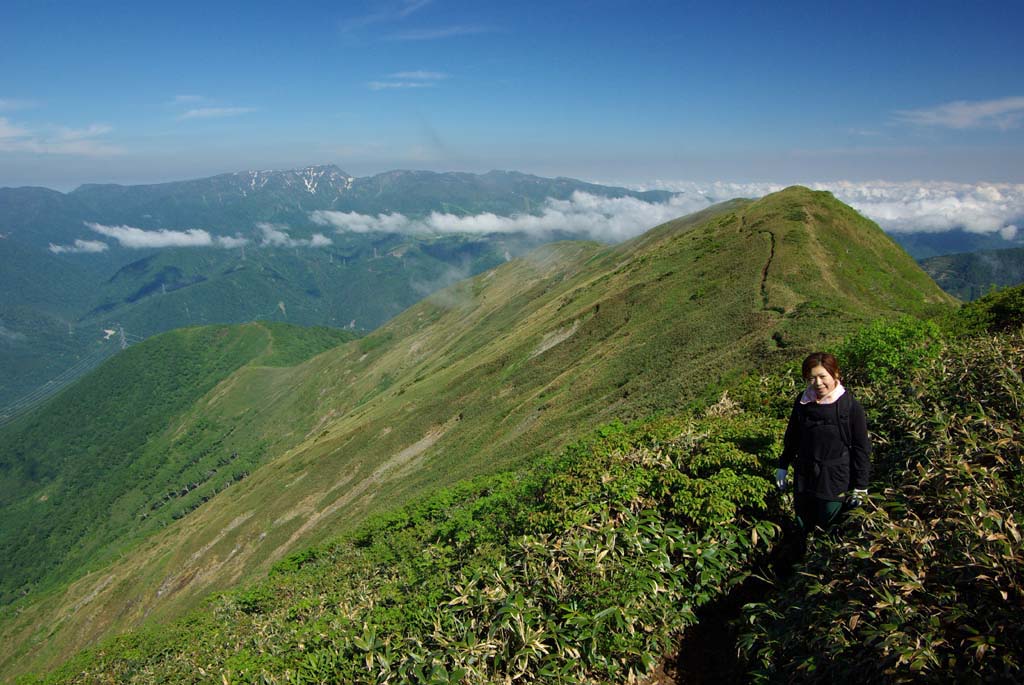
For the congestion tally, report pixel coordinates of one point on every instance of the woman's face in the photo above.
(821, 381)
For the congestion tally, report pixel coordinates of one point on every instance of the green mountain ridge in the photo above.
(483, 376)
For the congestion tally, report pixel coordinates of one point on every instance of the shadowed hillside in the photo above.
(970, 275)
(487, 374)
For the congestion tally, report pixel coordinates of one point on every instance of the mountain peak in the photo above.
(313, 179)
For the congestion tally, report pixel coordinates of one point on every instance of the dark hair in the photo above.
(825, 359)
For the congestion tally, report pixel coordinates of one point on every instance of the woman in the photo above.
(827, 441)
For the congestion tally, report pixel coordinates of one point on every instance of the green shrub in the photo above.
(889, 350)
(1000, 310)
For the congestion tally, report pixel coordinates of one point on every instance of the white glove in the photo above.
(780, 479)
(856, 498)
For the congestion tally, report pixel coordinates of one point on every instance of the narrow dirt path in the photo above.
(764, 271)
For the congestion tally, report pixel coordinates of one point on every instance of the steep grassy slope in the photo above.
(488, 373)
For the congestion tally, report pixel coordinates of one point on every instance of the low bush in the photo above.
(889, 350)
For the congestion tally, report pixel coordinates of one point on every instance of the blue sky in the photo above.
(610, 91)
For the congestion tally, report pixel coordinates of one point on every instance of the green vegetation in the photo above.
(483, 378)
(99, 465)
(889, 350)
(56, 306)
(578, 569)
(1000, 310)
(586, 566)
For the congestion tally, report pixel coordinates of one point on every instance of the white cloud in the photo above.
(276, 235)
(409, 79)
(80, 245)
(600, 218)
(391, 12)
(137, 238)
(187, 99)
(1002, 113)
(352, 222)
(897, 207)
(11, 132)
(81, 134)
(216, 112)
(933, 206)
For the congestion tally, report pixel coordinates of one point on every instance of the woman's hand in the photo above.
(856, 498)
(780, 479)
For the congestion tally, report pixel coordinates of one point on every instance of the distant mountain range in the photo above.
(925, 244)
(64, 284)
(230, 202)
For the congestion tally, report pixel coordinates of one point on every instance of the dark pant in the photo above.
(813, 512)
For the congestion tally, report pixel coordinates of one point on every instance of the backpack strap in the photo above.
(843, 419)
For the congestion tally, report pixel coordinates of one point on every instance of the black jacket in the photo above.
(829, 447)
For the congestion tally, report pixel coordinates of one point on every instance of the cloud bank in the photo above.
(134, 238)
(985, 208)
(911, 207)
(933, 207)
(600, 218)
(138, 238)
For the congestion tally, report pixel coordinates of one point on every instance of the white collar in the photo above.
(810, 396)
